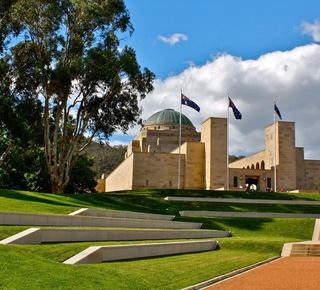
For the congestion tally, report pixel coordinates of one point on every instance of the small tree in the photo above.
(67, 55)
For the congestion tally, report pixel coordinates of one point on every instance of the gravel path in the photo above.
(289, 273)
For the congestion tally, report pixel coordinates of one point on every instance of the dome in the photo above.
(168, 116)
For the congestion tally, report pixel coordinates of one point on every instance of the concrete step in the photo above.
(238, 200)
(302, 249)
(29, 219)
(99, 254)
(247, 214)
(121, 214)
(67, 235)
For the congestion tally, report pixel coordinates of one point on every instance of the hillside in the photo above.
(253, 240)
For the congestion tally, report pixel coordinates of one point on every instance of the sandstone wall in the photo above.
(312, 168)
(121, 178)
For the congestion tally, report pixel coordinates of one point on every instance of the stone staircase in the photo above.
(304, 249)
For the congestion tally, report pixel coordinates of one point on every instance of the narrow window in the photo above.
(269, 182)
(235, 181)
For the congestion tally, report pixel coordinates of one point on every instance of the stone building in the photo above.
(152, 159)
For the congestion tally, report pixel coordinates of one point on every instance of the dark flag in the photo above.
(277, 110)
(236, 112)
(188, 102)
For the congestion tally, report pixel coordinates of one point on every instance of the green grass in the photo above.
(253, 240)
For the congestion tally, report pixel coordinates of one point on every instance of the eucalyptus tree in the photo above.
(20, 122)
(68, 54)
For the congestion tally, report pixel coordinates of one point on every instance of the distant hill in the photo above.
(106, 157)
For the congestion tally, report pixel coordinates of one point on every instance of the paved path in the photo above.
(238, 200)
(290, 273)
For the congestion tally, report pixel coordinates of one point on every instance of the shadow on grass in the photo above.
(228, 224)
(226, 194)
(13, 194)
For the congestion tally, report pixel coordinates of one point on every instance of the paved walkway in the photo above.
(290, 273)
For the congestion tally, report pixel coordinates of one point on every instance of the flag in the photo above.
(188, 102)
(277, 110)
(236, 112)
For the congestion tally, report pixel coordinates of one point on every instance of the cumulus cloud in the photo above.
(292, 76)
(173, 39)
(312, 29)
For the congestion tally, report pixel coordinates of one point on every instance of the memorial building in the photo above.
(153, 159)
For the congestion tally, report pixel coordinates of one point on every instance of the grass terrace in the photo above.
(253, 240)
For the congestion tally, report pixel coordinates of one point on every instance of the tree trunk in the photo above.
(4, 154)
(57, 185)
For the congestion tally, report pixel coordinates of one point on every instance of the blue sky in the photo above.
(246, 29)
(254, 50)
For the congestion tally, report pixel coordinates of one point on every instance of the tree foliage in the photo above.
(66, 54)
(233, 158)
(25, 169)
(20, 122)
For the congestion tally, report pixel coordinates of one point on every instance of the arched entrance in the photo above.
(252, 181)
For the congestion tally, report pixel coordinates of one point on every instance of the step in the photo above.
(301, 249)
(29, 219)
(99, 254)
(247, 214)
(121, 214)
(244, 200)
(67, 235)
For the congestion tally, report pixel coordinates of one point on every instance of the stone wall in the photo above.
(157, 170)
(300, 168)
(255, 161)
(194, 165)
(242, 174)
(164, 140)
(312, 168)
(122, 177)
(101, 186)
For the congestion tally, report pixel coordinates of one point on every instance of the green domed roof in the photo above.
(168, 116)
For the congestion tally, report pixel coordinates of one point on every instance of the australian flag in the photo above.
(188, 102)
(236, 112)
(277, 110)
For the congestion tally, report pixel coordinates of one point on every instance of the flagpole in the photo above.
(275, 146)
(228, 144)
(179, 167)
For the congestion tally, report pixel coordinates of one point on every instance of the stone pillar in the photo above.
(300, 169)
(214, 135)
(285, 154)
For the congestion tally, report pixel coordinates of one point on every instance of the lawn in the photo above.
(253, 240)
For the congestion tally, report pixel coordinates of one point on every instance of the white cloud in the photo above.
(292, 76)
(173, 39)
(312, 29)
(117, 143)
